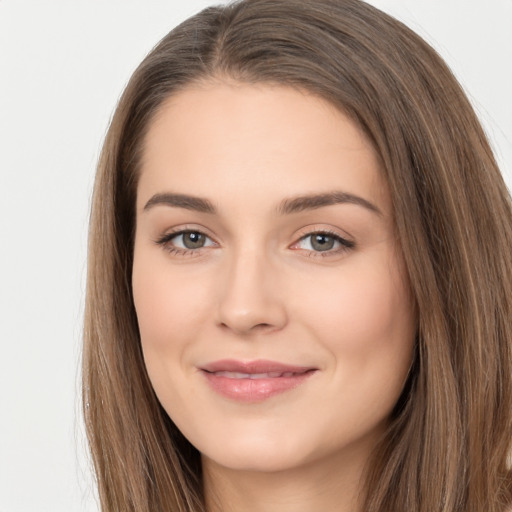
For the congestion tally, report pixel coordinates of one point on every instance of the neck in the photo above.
(329, 486)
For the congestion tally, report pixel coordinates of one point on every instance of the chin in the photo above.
(254, 459)
(254, 453)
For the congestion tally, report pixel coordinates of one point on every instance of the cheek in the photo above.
(170, 313)
(364, 315)
(365, 321)
(166, 303)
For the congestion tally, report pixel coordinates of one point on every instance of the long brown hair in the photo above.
(447, 445)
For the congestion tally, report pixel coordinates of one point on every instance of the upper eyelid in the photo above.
(331, 231)
(332, 234)
(182, 230)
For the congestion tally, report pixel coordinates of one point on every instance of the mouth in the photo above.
(254, 381)
(255, 376)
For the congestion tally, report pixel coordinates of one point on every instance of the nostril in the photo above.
(261, 327)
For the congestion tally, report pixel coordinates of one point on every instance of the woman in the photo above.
(299, 274)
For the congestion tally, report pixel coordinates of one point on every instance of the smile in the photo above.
(254, 381)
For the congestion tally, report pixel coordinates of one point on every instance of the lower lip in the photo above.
(254, 390)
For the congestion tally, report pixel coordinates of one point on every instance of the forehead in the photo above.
(231, 140)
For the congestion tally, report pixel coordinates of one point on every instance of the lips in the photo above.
(254, 381)
(239, 375)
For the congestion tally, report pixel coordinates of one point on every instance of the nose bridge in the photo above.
(250, 296)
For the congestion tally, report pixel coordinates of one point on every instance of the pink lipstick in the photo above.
(254, 381)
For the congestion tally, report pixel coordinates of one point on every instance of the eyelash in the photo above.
(165, 240)
(344, 244)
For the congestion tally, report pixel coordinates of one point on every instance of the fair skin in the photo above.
(249, 273)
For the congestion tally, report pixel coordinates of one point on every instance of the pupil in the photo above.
(322, 242)
(193, 240)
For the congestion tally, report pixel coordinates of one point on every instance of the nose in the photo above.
(251, 298)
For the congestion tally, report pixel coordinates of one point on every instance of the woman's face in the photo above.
(275, 315)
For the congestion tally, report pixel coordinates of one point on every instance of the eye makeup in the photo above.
(316, 243)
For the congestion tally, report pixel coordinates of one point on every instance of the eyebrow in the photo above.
(286, 207)
(197, 204)
(314, 201)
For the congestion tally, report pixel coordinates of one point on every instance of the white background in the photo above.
(63, 65)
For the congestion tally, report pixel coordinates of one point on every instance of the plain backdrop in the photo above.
(63, 65)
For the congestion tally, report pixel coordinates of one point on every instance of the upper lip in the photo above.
(253, 367)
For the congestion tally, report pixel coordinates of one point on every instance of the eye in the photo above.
(185, 241)
(323, 242)
(190, 240)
